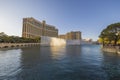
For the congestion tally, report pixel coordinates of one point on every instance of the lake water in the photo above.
(85, 62)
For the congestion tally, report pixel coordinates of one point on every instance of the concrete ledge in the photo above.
(112, 49)
(11, 45)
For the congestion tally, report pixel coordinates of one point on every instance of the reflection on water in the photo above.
(58, 51)
(112, 68)
(10, 63)
(85, 62)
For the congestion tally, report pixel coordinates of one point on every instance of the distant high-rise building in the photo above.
(73, 35)
(33, 28)
(62, 36)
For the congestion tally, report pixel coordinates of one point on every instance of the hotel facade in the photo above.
(73, 35)
(33, 28)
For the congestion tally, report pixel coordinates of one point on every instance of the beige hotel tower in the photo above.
(33, 28)
(73, 35)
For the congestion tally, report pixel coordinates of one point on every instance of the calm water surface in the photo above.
(85, 62)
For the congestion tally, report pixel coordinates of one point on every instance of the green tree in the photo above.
(112, 32)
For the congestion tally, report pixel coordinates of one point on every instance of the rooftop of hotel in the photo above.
(33, 19)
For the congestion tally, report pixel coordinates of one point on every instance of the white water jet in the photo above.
(52, 41)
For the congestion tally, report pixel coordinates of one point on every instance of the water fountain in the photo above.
(52, 41)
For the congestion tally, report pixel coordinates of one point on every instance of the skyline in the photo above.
(88, 16)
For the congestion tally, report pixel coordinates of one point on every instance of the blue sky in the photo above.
(87, 16)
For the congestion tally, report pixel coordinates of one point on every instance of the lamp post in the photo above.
(117, 34)
(103, 43)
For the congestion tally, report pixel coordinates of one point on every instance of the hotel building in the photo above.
(73, 35)
(33, 28)
(62, 36)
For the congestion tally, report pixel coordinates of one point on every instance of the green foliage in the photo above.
(112, 33)
(16, 39)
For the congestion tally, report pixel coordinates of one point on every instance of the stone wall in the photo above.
(113, 49)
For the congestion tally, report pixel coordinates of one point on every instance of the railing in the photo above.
(7, 45)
